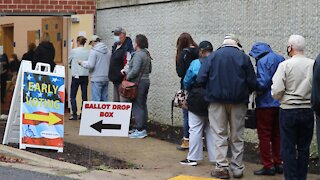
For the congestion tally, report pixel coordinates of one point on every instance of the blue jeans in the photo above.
(99, 91)
(139, 105)
(185, 123)
(82, 81)
(296, 129)
(318, 134)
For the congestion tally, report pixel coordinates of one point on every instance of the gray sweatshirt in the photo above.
(141, 61)
(98, 63)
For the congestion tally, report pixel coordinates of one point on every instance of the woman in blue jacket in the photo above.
(198, 110)
(267, 110)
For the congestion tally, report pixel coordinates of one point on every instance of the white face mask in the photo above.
(116, 39)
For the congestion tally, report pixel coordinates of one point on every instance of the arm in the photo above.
(136, 67)
(70, 58)
(315, 98)
(190, 76)
(204, 71)
(251, 78)
(278, 86)
(180, 67)
(264, 78)
(91, 63)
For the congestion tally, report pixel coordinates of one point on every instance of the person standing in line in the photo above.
(187, 51)
(79, 75)
(14, 64)
(98, 64)
(292, 86)
(138, 72)
(45, 52)
(4, 75)
(121, 55)
(315, 97)
(229, 78)
(267, 109)
(29, 55)
(198, 110)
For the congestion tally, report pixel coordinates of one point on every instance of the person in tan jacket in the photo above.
(292, 85)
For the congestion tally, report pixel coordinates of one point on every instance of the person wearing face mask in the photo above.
(198, 110)
(267, 109)
(98, 65)
(121, 55)
(292, 85)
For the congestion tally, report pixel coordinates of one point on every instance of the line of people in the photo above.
(219, 84)
(126, 61)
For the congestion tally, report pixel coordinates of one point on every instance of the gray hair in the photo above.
(297, 42)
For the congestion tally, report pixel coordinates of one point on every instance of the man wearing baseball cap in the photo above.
(229, 78)
(121, 55)
(98, 64)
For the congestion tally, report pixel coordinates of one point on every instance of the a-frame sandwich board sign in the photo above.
(36, 115)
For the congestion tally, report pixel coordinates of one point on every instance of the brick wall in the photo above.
(48, 6)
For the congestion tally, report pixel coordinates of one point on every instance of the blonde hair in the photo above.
(45, 37)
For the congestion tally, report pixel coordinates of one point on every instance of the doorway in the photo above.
(8, 39)
(54, 26)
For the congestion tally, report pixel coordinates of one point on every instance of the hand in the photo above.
(123, 72)
(79, 62)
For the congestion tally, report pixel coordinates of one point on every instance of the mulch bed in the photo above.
(77, 155)
(251, 154)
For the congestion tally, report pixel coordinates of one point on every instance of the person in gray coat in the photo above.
(140, 67)
(98, 65)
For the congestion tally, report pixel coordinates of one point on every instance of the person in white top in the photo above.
(292, 85)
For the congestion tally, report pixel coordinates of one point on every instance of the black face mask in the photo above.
(288, 52)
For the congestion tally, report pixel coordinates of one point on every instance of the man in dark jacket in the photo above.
(44, 53)
(29, 55)
(230, 78)
(315, 98)
(121, 54)
(267, 110)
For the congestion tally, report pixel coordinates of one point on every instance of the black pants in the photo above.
(82, 81)
(4, 78)
(296, 130)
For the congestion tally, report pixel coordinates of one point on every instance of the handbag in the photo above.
(129, 89)
(250, 119)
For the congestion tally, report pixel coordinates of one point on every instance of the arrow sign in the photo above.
(98, 126)
(50, 118)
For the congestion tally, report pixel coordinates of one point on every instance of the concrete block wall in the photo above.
(271, 21)
(48, 6)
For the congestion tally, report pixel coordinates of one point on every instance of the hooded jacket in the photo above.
(228, 75)
(139, 65)
(315, 97)
(267, 64)
(119, 60)
(44, 53)
(98, 63)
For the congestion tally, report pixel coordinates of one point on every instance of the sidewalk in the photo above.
(159, 160)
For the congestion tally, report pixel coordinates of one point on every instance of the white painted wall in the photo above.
(272, 21)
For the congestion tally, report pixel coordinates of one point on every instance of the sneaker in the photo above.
(188, 162)
(279, 169)
(132, 131)
(73, 118)
(138, 134)
(265, 172)
(220, 173)
(184, 144)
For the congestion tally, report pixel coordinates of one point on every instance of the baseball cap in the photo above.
(233, 37)
(205, 45)
(94, 38)
(118, 31)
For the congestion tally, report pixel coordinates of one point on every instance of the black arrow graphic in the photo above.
(98, 126)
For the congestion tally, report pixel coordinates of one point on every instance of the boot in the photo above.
(184, 144)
